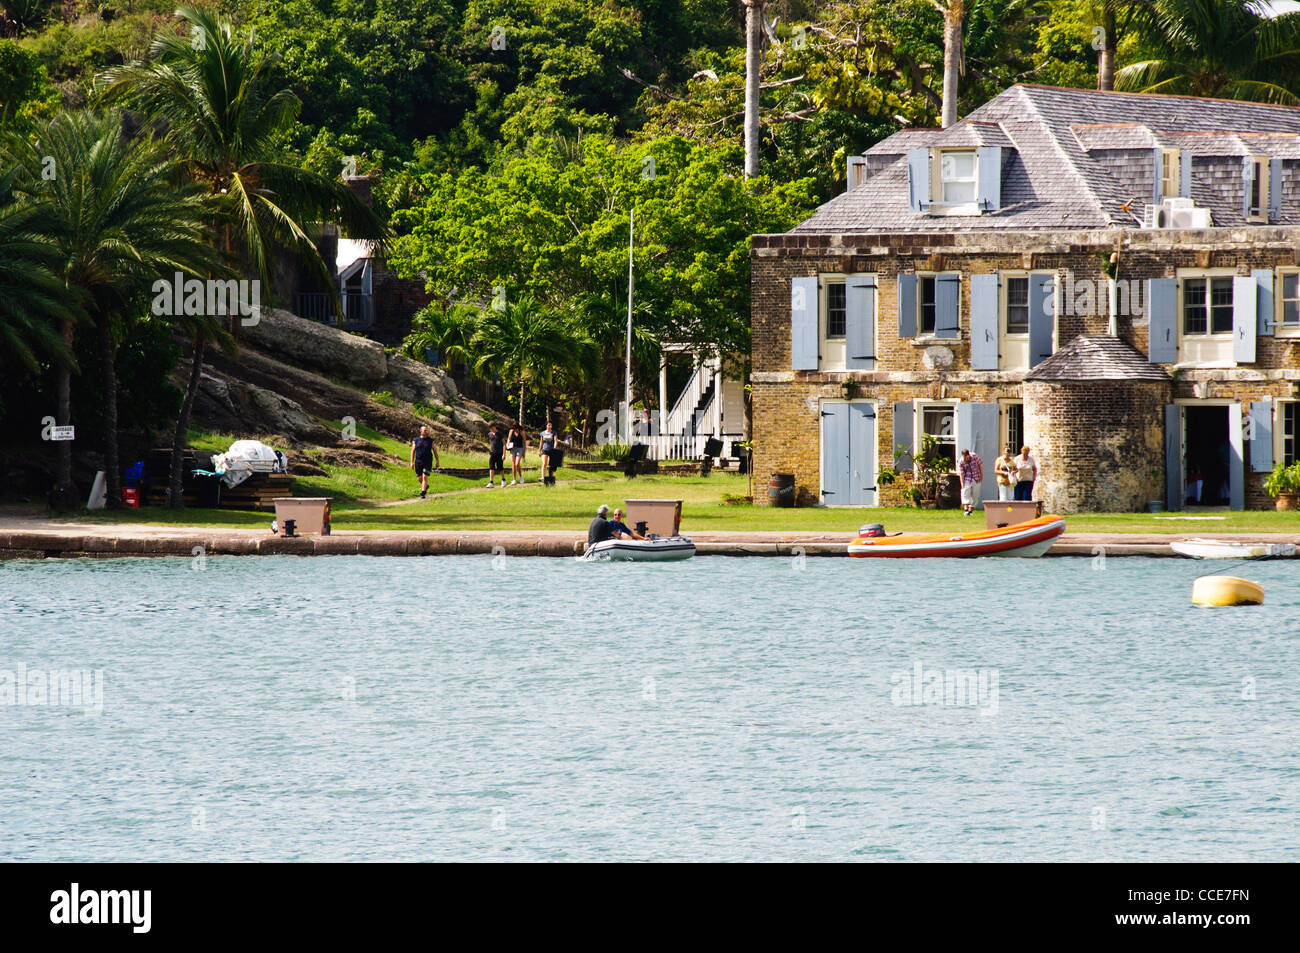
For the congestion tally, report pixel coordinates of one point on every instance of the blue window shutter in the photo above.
(1158, 172)
(907, 305)
(1274, 189)
(977, 431)
(903, 436)
(1042, 318)
(1173, 456)
(947, 305)
(1185, 173)
(1261, 436)
(918, 179)
(984, 322)
(803, 324)
(988, 161)
(1247, 177)
(862, 454)
(1244, 318)
(860, 322)
(1236, 461)
(1162, 305)
(1263, 301)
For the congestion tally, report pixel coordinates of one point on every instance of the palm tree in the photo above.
(36, 313)
(1219, 48)
(447, 330)
(954, 55)
(120, 223)
(522, 342)
(754, 10)
(208, 92)
(1116, 18)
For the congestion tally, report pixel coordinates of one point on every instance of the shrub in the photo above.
(384, 397)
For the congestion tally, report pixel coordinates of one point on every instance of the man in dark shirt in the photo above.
(620, 529)
(599, 531)
(496, 455)
(424, 457)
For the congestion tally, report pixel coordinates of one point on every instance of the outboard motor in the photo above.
(872, 529)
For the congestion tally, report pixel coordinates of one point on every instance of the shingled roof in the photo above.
(1069, 160)
(1097, 357)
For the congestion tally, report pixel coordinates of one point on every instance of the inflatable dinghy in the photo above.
(659, 549)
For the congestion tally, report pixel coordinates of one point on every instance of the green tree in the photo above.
(208, 90)
(522, 342)
(1218, 48)
(120, 221)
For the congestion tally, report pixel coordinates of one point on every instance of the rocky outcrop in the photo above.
(241, 407)
(415, 382)
(314, 345)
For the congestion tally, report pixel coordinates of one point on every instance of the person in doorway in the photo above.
(971, 469)
(496, 455)
(1026, 474)
(599, 529)
(424, 457)
(620, 529)
(517, 444)
(547, 438)
(1006, 471)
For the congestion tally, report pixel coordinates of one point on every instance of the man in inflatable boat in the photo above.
(602, 528)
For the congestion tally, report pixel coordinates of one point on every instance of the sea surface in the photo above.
(499, 708)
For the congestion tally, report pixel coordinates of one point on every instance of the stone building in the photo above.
(1110, 278)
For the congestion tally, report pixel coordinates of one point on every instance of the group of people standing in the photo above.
(1016, 476)
(515, 442)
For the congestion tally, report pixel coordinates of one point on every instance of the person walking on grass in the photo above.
(971, 468)
(424, 457)
(1006, 470)
(517, 444)
(547, 438)
(496, 455)
(1026, 474)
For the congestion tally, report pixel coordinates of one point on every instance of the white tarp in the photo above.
(246, 457)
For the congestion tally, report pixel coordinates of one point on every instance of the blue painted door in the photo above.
(848, 454)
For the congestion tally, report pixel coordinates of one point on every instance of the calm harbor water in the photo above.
(358, 708)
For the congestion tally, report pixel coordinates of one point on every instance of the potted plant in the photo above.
(933, 472)
(1283, 484)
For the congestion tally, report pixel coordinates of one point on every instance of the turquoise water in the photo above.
(358, 708)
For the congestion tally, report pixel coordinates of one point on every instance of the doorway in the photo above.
(848, 453)
(1207, 456)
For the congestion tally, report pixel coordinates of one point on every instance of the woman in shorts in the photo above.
(517, 444)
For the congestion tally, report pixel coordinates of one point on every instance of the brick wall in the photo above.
(785, 413)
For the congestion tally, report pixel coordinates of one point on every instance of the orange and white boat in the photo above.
(1019, 539)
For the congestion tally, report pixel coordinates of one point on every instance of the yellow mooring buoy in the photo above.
(1226, 591)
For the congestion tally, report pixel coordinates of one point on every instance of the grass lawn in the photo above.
(570, 504)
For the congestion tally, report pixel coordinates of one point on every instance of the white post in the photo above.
(663, 402)
(627, 363)
(1112, 304)
(717, 398)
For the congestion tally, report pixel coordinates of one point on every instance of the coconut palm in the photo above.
(1116, 18)
(522, 342)
(119, 222)
(1222, 48)
(954, 54)
(208, 92)
(447, 330)
(37, 315)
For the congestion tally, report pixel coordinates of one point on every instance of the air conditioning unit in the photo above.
(1177, 202)
(1155, 216)
(1189, 218)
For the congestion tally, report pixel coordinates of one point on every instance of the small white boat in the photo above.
(1227, 549)
(659, 549)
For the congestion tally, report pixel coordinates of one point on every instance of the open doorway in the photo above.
(1207, 454)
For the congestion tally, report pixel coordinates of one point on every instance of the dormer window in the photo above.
(1170, 178)
(1261, 179)
(964, 181)
(957, 174)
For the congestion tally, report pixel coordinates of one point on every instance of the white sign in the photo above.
(63, 433)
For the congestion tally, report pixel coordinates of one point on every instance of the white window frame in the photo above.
(919, 408)
(937, 205)
(1208, 275)
(1007, 278)
(1279, 303)
(1170, 173)
(1279, 429)
(831, 350)
(1260, 177)
(1004, 428)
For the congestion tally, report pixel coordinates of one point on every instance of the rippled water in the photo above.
(357, 708)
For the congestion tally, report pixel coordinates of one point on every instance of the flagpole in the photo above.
(627, 357)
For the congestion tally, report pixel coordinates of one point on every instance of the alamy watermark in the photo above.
(947, 687)
(60, 688)
(241, 298)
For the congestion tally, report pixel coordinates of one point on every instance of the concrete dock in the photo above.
(38, 538)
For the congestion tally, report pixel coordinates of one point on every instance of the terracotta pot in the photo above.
(1287, 501)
